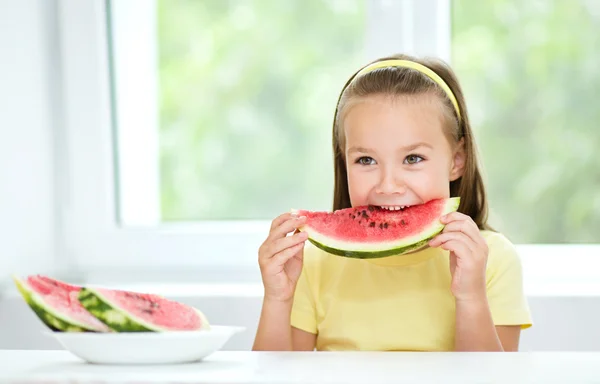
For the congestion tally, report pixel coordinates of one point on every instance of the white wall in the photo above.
(27, 66)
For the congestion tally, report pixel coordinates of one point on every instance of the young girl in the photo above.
(401, 137)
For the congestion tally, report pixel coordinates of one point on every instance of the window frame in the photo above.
(94, 244)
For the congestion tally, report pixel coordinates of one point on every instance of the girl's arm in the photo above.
(475, 330)
(302, 340)
(280, 258)
(275, 332)
(509, 336)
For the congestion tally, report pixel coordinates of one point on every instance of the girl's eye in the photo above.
(365, 160)
(413, 159)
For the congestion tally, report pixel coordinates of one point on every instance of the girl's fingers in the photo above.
(287, 242)
(464, 227)
(282, 257)
(458, 222)
(457, 247)
(286, 227)
(279, 220)
(459, 237)
(280, 227)
(454, 216)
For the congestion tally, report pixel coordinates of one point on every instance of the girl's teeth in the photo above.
(395, 208)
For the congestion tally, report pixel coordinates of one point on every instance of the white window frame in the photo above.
(93, 243)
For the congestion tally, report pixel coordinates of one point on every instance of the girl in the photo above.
(401, 136)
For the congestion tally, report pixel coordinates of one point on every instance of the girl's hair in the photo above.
(400, 81)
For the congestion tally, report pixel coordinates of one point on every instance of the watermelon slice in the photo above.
(373, 232)
(56, 304)
(125, 311)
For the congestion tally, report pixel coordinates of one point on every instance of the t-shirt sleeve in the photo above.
(304, 313)
(506, 296)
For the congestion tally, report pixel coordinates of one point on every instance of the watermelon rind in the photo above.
(54, 320)
(369, 250)
(117, 318)
(371, 254)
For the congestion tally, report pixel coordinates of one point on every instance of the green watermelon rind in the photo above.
(368, 254)
(118, 319)
(385, 249)
(57, 322)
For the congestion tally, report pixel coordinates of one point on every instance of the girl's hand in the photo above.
(468, 256)
(280, 257)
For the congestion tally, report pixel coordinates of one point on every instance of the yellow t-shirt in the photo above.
(399, 302)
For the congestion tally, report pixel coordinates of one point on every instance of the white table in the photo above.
(313, 367)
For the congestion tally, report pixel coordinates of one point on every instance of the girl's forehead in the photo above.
(400, 120)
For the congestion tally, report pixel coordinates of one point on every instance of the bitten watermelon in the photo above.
(372, 232)
(125, 311)
(56, 304)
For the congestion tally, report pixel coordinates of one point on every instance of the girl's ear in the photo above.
(459, 160)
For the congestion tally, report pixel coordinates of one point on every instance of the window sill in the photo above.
(533, 288)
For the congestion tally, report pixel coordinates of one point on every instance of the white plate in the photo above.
(145, 347)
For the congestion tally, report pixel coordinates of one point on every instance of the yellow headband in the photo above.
(418, 67)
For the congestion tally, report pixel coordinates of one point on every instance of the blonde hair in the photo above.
(402, 81)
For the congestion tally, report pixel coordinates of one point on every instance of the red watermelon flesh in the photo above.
(370, 231)
(57, 304)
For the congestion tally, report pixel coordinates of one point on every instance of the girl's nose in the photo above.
(390, 184)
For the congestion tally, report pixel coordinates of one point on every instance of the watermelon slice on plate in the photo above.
(69, 308)
(373, 232)
(125, 311)
(56, 304)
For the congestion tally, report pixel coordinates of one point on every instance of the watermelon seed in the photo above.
(385, 225)
(381, 225)
(154, 304)
(371, 208)
(148, 311)
(402, 222)
(372, 224)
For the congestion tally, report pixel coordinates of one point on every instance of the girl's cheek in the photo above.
(359, 187)
(433, 186)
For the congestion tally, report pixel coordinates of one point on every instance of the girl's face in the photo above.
(397, 153)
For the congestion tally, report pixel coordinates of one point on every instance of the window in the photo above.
(190, 124)
(530, 75)
(240, 95)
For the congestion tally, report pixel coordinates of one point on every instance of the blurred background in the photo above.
(148, 143)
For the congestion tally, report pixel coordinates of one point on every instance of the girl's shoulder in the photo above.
(501, 251)
(496, 239)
